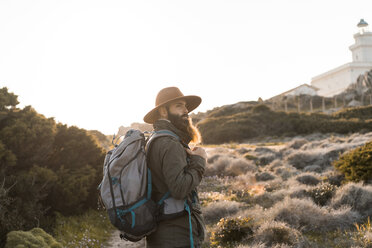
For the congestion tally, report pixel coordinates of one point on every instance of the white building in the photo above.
(303, 89)
(337, 80)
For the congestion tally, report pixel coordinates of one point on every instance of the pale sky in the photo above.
(99, 64)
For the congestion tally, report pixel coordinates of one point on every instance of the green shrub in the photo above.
(21, 198)
(35, 238)
(364, 112)
(44, 167)
(322, 193)
(249, 156)
(71, 191)
(231, 231)
(261, 108)
(356, 164)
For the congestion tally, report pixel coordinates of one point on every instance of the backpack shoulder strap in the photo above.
(158, 134)
(154, 136)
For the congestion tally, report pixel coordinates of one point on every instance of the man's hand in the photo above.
(197, 151)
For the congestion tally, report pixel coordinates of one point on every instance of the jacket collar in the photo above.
(163, 124)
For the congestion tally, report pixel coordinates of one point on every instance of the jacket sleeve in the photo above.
(179, 176)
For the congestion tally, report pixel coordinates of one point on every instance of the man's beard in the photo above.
(185, 125)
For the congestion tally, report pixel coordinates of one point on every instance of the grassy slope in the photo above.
(260, 121)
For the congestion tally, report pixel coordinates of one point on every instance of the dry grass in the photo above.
(228, 166)
(267, 200)
(264, 176)
(355, 195)
(273, 233)
(285, 189)
(308, 178)
(304, 214)
(213, 212)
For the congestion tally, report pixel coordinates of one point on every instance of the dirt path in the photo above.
(116, 242)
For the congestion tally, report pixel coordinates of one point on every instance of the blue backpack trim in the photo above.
(121, 212)
(133, 218)
(165, 196)
(187, 208)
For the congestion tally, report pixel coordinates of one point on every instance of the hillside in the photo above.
(350, 111)
(261, 122)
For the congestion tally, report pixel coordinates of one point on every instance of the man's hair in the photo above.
(196, 136)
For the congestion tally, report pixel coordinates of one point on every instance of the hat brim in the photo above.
(192, 102)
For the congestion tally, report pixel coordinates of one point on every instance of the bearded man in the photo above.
(176, 170)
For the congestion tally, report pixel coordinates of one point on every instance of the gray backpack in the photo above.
(126, 188)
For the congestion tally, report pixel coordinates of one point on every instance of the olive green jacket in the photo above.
(167, 160)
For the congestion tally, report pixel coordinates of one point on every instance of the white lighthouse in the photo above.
(337, 80)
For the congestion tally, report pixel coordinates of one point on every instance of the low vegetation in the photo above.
(294, 197)
(356, 165)
(91, 229)
(45, 167)
(261, 121)
(35, 238)
(231, 231)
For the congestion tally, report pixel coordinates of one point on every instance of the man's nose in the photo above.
(185, 111)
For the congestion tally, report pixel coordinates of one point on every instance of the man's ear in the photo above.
(163, 113)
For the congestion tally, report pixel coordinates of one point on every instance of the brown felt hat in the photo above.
(168, 95)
